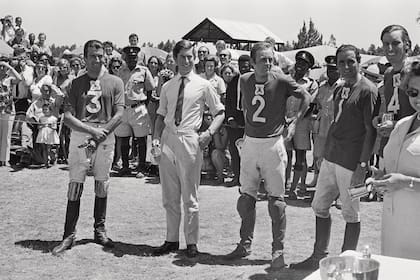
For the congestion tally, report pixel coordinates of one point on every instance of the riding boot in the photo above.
(69, 236)
(351, 236)
(99, 215)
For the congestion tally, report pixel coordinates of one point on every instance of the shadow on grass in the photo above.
(120, 249)
(209, 259)
(46, 246)
(284, 273)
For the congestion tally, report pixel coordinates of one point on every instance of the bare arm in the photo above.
(159, 126)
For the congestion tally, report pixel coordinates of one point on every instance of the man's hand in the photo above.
(233, 123)
(204, 139)
(99, 134)
(291, 128)
(358, 176)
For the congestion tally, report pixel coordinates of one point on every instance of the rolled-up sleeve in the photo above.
(212, 100)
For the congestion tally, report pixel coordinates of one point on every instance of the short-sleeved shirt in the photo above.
(264, 104)
(198, 93)
(92, 100)
(136, 83)
(353, 110)
(217, 82)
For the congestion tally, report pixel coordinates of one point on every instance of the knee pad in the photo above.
(75, 191)
(101, 188)
(245, 204)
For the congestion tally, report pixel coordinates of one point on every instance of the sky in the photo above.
(358, 22)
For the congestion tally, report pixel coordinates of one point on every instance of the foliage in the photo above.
(166, 46)
(308, 37)
(332, 42)
(416, 50)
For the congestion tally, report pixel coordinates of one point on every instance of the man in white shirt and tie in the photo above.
(180, 114)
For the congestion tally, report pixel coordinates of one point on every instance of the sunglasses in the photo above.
(202, 51)
(40, 67)
(115, 66)
(412, 92)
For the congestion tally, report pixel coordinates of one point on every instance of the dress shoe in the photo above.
(101, 239)
(240, 252)
(192, 251)
(311, 264)
(66, 244)
(166, 248)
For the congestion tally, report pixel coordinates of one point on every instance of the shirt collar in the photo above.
(188, 76)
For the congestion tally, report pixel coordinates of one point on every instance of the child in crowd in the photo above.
(47, 135)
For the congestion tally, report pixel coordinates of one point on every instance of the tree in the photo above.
(308, 38)
(416, 50)
(332, 42)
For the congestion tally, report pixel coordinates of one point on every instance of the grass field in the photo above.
(32, 210)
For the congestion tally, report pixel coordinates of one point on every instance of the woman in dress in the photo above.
(400, 180)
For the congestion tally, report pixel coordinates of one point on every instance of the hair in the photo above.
(344, 48)
(108, 43)
(259, 46)
(183, 44)
(270, 40)
(42, 33)
(207, 49)
(75, 59)
(411, 70)
(221, 42)
(226, 66)
(212, 58)
(396, 27)
(228, 52)
(133, 35)
(92, 44)
(160, 64)
(244, 57)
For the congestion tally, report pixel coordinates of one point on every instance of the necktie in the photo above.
(179, 101)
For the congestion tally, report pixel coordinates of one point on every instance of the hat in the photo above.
(306, 56)
(331, 60)
(131, 51)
